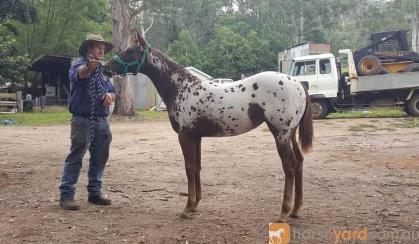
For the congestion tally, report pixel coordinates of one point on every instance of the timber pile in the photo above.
(8, 102)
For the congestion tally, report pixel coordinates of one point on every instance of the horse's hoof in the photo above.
(280, 220)
(184, 215)
(189, 210)
(294, 215)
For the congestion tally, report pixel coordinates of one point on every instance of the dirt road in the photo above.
(362, 173)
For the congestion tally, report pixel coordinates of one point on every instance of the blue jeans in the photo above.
(80, 135)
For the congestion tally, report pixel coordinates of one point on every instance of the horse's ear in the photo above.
(140, 39)
(136, 36)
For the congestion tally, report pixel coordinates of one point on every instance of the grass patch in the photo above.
(152, 115)
(38, 118)
(361, 127)
(373, 113)
(55, 115)
(408, 123)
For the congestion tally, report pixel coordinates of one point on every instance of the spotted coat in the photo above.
(205, 108)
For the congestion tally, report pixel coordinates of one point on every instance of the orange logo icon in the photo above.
(279, 233)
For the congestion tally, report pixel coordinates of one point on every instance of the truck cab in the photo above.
(319, 72)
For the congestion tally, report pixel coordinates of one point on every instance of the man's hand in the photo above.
(93, 64)
(108, 99)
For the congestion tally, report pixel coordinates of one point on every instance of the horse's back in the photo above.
(273, 80)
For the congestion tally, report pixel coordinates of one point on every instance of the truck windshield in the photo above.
(304, 68)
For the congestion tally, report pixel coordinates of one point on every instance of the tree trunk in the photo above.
(301, 27)
(124, 103)
(415, 34)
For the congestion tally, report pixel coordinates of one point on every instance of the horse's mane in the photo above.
(174, 67)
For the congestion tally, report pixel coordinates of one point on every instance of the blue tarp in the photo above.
(8, 121)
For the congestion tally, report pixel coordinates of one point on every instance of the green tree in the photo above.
(198, 17)
(220, 53)
(185, 51)
(62, 26)
(231, 55)
(12, 63)
(17, 10)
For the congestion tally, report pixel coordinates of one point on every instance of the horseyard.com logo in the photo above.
(279, 233)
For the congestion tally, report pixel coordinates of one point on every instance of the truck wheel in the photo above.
(369, 65)
(319, 109)
(413, 106)
(412, 68)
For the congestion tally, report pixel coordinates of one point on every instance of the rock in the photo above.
(142, 239)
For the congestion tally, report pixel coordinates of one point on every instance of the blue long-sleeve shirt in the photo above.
(79, 92)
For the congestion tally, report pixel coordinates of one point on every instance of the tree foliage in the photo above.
(62, 26)
(224, 38)
(18, 10)
(185, 50)
(12, 63)
(230, 54)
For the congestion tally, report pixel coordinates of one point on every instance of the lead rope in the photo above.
(95, 92)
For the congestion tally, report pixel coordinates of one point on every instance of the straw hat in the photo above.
(94, 38)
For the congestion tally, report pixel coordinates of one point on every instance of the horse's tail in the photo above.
(306, 134)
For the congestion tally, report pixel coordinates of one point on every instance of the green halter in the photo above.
(137, 62)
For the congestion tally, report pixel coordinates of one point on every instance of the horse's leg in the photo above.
(198, 171)
(188, 144)
(298, 202)
(286, 153)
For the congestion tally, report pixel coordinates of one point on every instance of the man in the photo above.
(83, 71)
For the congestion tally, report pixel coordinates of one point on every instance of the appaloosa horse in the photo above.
(204, 109)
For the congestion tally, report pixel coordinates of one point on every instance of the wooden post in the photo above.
(19, 102)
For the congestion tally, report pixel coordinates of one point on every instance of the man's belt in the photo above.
(95, 118)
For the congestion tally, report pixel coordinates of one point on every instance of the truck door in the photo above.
(327, 81)
(306, 71)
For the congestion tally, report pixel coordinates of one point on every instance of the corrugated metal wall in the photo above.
(145, 95)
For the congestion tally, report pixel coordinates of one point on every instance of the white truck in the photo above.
(335, 85)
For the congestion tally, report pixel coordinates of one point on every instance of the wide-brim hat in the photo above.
(94, 38)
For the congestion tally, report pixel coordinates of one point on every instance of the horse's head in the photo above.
(131, 59)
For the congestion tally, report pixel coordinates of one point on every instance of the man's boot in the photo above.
(69, 204)
(99, 200)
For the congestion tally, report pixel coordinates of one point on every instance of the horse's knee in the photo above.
(290, 170)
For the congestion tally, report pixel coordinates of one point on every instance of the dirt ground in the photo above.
(361, 173)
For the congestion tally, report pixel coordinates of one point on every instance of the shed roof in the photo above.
(50, 60)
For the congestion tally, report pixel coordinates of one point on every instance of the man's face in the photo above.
(97, 50)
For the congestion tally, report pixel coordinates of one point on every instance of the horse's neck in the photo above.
(166, 75)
